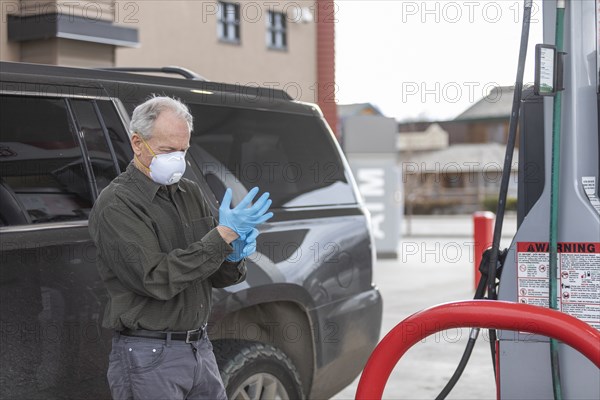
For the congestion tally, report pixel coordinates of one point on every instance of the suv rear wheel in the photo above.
(254, 370)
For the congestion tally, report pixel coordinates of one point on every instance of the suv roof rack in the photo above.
(186, 73)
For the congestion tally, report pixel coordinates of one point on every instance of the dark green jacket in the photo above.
(159, 254)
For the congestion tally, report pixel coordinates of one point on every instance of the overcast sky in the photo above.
(428, 59)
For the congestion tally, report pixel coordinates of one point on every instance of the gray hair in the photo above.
(145, 115)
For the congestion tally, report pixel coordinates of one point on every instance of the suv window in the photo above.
(118, 139)
(42, 169)
(95, 127)
(41, 163)
(95, 141)
(287, 154)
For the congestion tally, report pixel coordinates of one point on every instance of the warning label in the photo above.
(589, 186)
(578, 278)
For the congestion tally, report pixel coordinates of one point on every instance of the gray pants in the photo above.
(141, 368)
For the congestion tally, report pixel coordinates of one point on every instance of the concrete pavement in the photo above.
(435, 265)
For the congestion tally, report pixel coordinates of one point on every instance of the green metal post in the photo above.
(554, 197)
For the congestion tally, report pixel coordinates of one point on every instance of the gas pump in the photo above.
(566, 211)
(548, 281)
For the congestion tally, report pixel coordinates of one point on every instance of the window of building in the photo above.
(453, 180)
(276, 30)
(228, 24)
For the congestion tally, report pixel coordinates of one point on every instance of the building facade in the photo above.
(281, 44)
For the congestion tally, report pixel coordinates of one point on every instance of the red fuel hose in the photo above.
(475, 314)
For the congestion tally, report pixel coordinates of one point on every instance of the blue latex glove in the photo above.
(244, 217)
(243, 248)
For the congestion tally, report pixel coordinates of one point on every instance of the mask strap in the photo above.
(151, 151)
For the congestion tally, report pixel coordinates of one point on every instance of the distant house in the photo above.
(432, 138)
(485, 121)
(452, 166)
(460, 176)
(457, 179)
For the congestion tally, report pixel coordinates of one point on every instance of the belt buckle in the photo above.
(188, 333)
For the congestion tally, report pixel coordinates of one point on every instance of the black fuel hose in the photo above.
(501, 207)
(474, 334)
(510, 146)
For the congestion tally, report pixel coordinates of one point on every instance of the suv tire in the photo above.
(257, 371)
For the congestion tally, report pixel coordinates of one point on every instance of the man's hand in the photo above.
(243, 248)
(245, 217)
(227, 234)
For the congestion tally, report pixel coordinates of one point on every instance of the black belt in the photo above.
(188, 336)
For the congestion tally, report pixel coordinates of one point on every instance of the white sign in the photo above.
(578, 278)
(371, 184)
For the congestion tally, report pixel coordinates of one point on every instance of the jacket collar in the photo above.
(146, 185)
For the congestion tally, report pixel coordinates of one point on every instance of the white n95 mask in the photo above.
(167, 168)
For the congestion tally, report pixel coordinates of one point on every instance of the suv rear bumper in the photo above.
(349, 330)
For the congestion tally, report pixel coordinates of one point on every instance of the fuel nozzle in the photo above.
(484, 266)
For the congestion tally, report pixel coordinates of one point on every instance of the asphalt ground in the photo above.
(434, 265)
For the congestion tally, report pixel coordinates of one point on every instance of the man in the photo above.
(160, 254)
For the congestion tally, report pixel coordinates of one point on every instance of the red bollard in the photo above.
(483, 237)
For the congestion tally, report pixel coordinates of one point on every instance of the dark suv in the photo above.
(302, 324)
